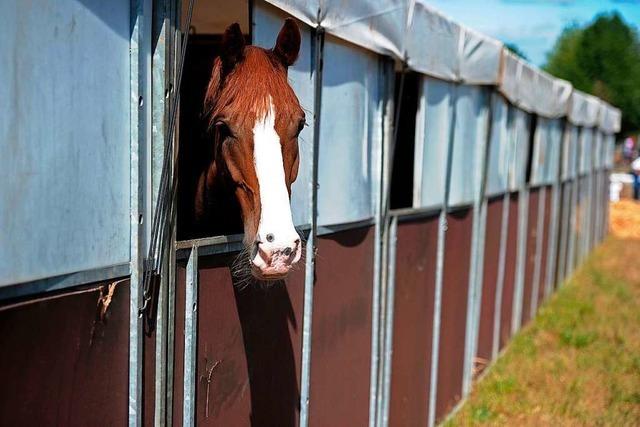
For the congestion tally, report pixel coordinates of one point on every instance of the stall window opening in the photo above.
(406, 104)
(209, 21)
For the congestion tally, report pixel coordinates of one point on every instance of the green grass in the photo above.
(578, 362)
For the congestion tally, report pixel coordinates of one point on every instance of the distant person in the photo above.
(627, 149)
(635, 171)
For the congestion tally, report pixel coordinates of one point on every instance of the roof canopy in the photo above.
(435, 45)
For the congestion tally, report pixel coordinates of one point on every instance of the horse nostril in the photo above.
(287, 251)
(270, 237)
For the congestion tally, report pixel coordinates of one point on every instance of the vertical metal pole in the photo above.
(174, 14)
(565, 221)
(572, 235)
(139, 57)
(553, 240)
(502, 261)
(504, 231)
(190, 339)
(171, 322)
(162, 74)
(388, 336)
(379, 390)
(537, 273)
(477, 252)
(311, 242)
(523, 217)
(442, 230)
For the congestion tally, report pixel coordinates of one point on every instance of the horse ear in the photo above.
(288, 43)
(232, 47)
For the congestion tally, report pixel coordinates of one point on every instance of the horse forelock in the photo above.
(256, 84)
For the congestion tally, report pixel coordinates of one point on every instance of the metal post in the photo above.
(140, 59)
(537, 273)
(573, 207)
(171, 321)
(305, 375)
(379, 388)
(388, 336)
(477, 254)
(565, 221)
(442, 230)
(190, 339)
(553, 240)
(523, 218)
(504, 230)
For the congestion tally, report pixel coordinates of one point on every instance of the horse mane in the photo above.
(256, 80)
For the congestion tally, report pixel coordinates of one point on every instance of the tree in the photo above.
(602, 58)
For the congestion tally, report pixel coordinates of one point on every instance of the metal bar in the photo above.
(160, 389)
(564, 231)
(209, 241)
(378, 390)
(504, 230)
(414, 213)
(305, 374)
(331, 229)
(442, 230)
(140, 60)
(553, 240)
(575, 188)
(171, 322)
(538, 256)
(518, 293)
(173, 36)
(64, 281)
(388, 336)
(554, 233)
(162, 76)
(190, 340)
(477, 249)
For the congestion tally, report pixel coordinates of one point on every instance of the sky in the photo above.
(533, 25)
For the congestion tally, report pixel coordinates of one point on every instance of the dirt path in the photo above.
(578, 362)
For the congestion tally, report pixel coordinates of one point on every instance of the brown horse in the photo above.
(255, 119)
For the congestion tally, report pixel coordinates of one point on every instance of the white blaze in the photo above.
(275, 212)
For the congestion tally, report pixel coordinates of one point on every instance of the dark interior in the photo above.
(405, 128)
(196, 144)
(533, 122)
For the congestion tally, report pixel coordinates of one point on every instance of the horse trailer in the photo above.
(445, 188)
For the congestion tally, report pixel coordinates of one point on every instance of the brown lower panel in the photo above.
(248, 348)
(530, 254)
(509, 272)
(416, 255)
(454, 310)
(341, 331)
(493, 232)
(64, 358)
(546, 235)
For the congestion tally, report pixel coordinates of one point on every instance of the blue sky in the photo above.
(533, 25)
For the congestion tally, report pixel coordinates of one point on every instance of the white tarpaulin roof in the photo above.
(609, 120)
(375, 25)
(584, 109)
(435, 45)
(532, 89)
(432, 43)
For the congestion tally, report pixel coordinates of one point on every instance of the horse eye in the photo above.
(223, 130)
(301, 126)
